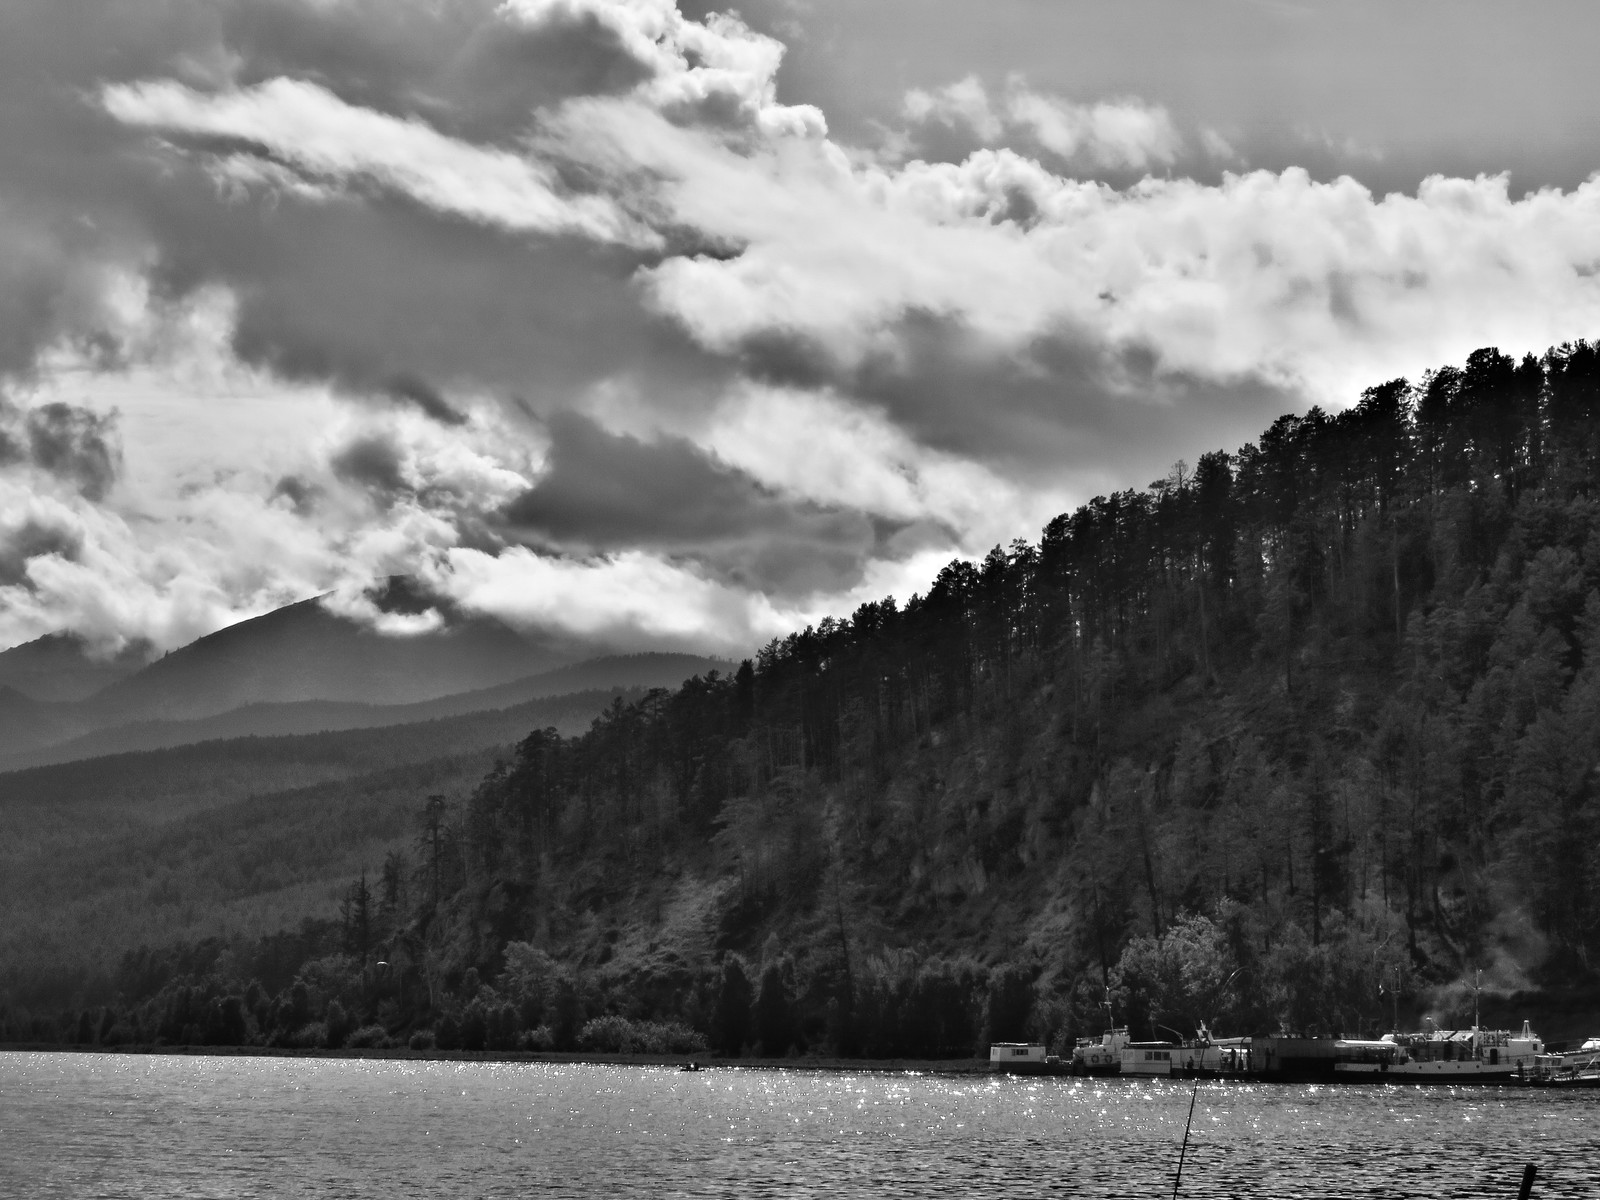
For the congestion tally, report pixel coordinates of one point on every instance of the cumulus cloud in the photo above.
(1277, 278)
(305, 127)
(556, 305)
(66, 563)
(1125, 134)
(819, 448)
(632, 600)
(1219, 148)
(717, 71)
(964, 102)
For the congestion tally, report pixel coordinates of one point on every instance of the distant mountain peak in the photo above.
(67, 666)
(406, 595)
(311, 651)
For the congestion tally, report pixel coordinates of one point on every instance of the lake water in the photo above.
(104, 1125)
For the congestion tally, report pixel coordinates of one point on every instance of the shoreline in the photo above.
(676, 1063)
(952, 1066)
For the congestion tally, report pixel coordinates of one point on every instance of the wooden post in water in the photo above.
(1528, 1173)
(1178, 1178)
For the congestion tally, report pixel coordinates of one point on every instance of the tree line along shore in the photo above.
(1301, 736)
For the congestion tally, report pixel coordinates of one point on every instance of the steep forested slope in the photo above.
(99, 855)
(1302, 736)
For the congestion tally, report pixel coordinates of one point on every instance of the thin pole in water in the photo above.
(1178, 1178)
(1528, 1172)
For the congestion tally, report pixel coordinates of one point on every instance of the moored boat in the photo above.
(1441, 1056)
(1200, 1057)
(1578, 1068)
(1024, 1058)
(1287, 1058)
(1467, 1055)
(1102, 1055)
(1148, 1058)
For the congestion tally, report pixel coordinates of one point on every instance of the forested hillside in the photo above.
(99, 855)
(1301, 736)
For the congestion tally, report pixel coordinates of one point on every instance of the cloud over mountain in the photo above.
(535, 298)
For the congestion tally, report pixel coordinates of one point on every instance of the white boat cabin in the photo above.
(1017, 1056)
(1151, 1058)
(1208, 1057)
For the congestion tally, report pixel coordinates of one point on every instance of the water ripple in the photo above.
(177, 1126)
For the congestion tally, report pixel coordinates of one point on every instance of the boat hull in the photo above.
(1563, 1081)
(1426, 1072)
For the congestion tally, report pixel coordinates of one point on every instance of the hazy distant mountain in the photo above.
(305, 652)
(93, 847)
(25, 722)
(299, 669)
(647, 670)
(59, 667)
(218, 771)
(623, 673)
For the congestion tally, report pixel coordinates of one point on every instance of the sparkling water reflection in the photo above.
(176, 1126)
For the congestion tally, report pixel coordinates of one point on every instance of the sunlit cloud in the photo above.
(306, 127)
(557, 305)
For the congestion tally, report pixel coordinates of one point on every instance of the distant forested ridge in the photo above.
(1300, 736)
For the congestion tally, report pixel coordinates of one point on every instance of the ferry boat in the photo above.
(1445, 1056)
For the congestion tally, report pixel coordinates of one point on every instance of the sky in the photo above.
(680, 327)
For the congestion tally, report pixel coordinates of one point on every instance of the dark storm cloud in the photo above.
(462, 66)
(503, 74)
(75, 444)
(426, 398)
(51, 282)
(361, 291)
(370, 294)
(374, 464)
(1060, 403)
(33, 539)
(287, 166)
(382, 297)
(301, 494)
(604, 492)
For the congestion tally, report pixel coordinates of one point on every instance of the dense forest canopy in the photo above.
(1298, 737)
